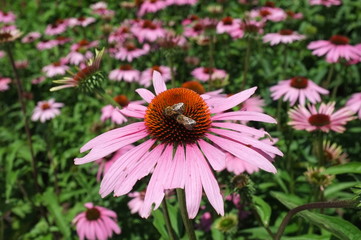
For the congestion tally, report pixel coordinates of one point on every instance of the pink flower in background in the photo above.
(101, 9)
(98, 6)
(181, 2)
(293, 15)
(7, 17)
(126, 73)
(146, 76)
(172, 40)
(120, 34)
(335, 48)
(205, 222)
(46, 110)
(31, 37)
(56, 28)
(129, 51)
(46, 44)
(38, 80)
(254, 104)
(57, 68)
(272, 14)
(228, 25)
(190, 19)
(327, 3)
(21, 64)
(298, 89)
(4, 84)
(324, 118)
(333, 153)
(194, 30)
(61, 40)
(283, 36)
(112, 113)
(136, 204)
(151, 6)
(96, 223)
(84, 45)
(146, 30)
(194, 158)
(2, 54)
(77, 58)
(203, 74)
(248, 27)
(354, 103)
(106, 163)
(81, 21)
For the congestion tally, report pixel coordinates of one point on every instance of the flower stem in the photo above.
(108, 98)
(171, 66)
(211, 60)
(246, 63)
(168, 224)
(319, 149)
(329, 76)
(19, 89)
(183, 208)
(309, 206)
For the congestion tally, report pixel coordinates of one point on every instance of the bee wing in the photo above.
(178, 107)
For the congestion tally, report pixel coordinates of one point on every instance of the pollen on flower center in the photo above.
(227, 21)
(122, 100)
(339, 40)
(45, 106)
(92, 214)
(319, 120)
(299, 82)
(195, 86)
(166, 128)
(286, 32)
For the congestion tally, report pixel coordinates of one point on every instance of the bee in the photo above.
(176, 111)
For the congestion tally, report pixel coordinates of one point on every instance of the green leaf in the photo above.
(337, 226)
(338, 187)
(50, 201)
(264, 210)
(159, 223)
(352, 167)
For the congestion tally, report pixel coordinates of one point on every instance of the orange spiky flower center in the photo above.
(264, 13)
(299, 82)
(208, 70)
(195, 86)
(339, 40)
(319, 120)
(92, 214)
(285, 32)
(45, 106)
(227, 20)
(126, 67)
(166, 128)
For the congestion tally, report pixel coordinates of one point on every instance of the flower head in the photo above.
(283, 36)
(30, 37)
(298, 89)
(336, 48)
(184, 140)
(7, 35)
(146, 76)
(126, 73)
(88, 78)
(46, 110)
(354, 103)
(4, 84)
(327, 3)
(151, 6)
(334, 153)
(96, 223)
(7, 17)
(56, 68)
(204, 74)
(324, 118)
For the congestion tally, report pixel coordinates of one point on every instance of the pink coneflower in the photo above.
(84, 45)
(183, 132)
(120, 34)
(272, 14)
(46, 110)
(21, 64)
(248, 27)
(335, 48)
(283, 36)
(205, 222)
(324, 119)
(146, 30)
(2, 54)
(126, 73)
(181, 2)
(354, 103)
(327, 3)
(136, 204)
(56, 28)
(31, 37)
(9, 35)
(77, 58)
(190, 19)
(203, 74)
(254, 104)
(38, 80)
(146, 76)
(7, 17)
(292, 15)
(57, 68)
(151, 6)
(101, 9)
(194, 30)
(46, 44)
(4, 84)
(81, 21)
(107, 162)
(96, 223)
(61, 40)
(298, 88)
(334, 153)
(130, 51)
(228, 25)
(172, 40)
(85, 79)
(113, 113)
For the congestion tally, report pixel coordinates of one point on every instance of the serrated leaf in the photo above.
(337, 226)
(50, 201)
(263, 209)
(352, 167)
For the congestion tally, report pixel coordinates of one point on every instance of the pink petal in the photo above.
(158, 83)
(240, 128)
(176, 173)
(244, 116)
(215, 157)
(145, 94)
